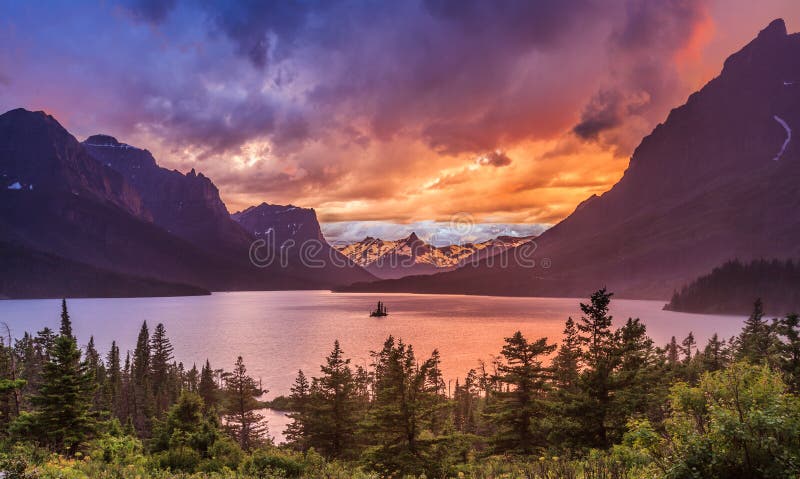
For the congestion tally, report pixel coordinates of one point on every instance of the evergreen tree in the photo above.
(10, 386)
(567, 400)
(637, 382)
(242, 422)
(600, 357)
(113, 384)
(332, 412)
(757, 338)
(297, 433)
(164, 393)
(672, 353)
(399, 412)
(186, 426)
(141, 383)
(66, 322)
(688, 346)
(789, 350)
(62, 416)
(30, 368)
(466, 398)
(207, 388)
(566, 364)
(44, 342)
(518, 412)
(193, 379)
(98, 371)
(714, 355)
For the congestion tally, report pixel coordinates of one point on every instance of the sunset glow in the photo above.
(404, 113)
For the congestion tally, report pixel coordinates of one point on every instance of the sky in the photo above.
(384, 116)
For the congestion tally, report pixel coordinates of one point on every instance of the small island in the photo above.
(380, 311)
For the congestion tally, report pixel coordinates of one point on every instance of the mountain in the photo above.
(34, 274)
(413, 256)
(60, 205)
(733, 288)
(716, 181)
(296, 233)
(188, 206)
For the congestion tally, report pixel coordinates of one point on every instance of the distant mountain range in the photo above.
(716, 181)
(412, 256)
(101, 218)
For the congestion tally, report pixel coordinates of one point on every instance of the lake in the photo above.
(279, 332)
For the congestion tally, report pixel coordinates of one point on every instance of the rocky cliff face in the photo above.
(188, 206)
(38, 154)
(716, 181)
(72, 219)
(295, 233)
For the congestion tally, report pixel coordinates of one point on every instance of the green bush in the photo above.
(121, 450)
(737, 423)
(266, 464)
(182, 459)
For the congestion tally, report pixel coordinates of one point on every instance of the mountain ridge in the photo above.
(702, 188)
(392, 259)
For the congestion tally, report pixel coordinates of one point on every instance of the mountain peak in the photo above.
(102, 140)
(18, 112)
(20, 116)
(776, 28)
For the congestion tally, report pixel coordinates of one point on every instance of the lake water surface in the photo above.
(279, 332)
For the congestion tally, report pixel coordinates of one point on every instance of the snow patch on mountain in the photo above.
(374, 251)
(788, 136)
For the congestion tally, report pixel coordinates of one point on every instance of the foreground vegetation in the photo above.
(604, 403)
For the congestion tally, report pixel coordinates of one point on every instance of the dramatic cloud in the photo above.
(645, 49)
(410, 111)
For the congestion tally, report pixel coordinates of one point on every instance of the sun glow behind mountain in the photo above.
(383, 114)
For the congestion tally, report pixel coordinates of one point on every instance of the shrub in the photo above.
(265, 464)
(182, 459)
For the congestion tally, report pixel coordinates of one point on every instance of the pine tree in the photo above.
(62, 416)
(113, 384)
(164, 393)
(29, 368)
(141, 383)
(789, 350)
(399, 411)
(193, 379)
(332, 412)
(566, 364)
(518, 411)
(10, 386)
(688, 346)
(297, 432)
(466, 398)
(207, 388)
(98, 371)
(672, 352)
(567, 397)
(714, 355)
(44, 342)
(600, 357)
(66, 323)
(636, 382)
(757, 338)
(242, 422)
